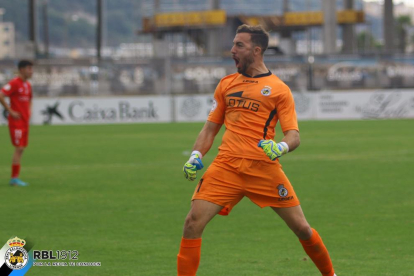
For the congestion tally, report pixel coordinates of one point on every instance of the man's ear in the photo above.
(257, 50)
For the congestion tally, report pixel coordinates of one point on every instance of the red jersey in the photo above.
(250, 108)
(20, 94)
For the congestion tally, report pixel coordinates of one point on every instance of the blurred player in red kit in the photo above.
(19, 91)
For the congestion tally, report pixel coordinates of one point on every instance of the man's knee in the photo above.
(20, 150)
(192, 221)
(200, 214)
(193, 226)
(303, 231)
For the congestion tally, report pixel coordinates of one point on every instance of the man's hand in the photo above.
(193, 165)
(15, 115)
(272, 149)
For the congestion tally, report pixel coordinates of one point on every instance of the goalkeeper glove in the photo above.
(272, 149)
(193, 165)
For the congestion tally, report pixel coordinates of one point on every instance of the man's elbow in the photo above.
(295, 143)
(298, 142)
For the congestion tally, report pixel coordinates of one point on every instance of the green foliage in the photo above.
(120, 27)
(403, 20)
(365, 42)
(402, 23)
(116, 193)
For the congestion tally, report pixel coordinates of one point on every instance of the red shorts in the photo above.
(19, 136)
(229, 179)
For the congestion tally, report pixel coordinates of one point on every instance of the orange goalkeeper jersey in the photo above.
(250, 108)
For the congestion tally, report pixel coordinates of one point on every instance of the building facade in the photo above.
(7, 40)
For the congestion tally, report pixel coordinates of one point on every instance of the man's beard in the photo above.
(246, 63)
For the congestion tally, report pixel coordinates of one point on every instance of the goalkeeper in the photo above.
(249, 103)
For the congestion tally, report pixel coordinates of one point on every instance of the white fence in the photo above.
(379, 104)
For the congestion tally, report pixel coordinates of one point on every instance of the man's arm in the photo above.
(292, 139)
(274, 150)
(13, 113)
(202, 145)
(206, 137)
(3, 102)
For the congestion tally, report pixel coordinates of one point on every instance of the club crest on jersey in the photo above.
(283, 192)
(266, 91)
(7, 87)
(214, 105)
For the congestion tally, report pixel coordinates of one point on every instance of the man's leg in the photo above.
(19, 139)
(200, 214)
(17, 155)
(308, 237)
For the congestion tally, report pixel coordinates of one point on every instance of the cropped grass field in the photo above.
(116, 193)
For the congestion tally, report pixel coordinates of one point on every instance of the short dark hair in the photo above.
(258, 35)
(24, 63)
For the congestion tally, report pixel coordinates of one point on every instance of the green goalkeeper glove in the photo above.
(272, 149)
(193, 165)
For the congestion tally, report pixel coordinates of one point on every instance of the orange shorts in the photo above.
(229, 179)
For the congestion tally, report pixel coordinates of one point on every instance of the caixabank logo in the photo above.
(14, 256)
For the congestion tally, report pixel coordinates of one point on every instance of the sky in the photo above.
(407, 2)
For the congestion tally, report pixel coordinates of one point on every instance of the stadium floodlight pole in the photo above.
(348, 37)
(215, 4)
(285, 6)
(2, 12)
(311, 60)
(98, 29)
(388, 26)
(32, 25)
(329, 26)
(46, 28)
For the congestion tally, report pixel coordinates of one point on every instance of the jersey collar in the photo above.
(22, 80)
(258, 76)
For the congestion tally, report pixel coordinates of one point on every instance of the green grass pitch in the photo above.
(116, 193)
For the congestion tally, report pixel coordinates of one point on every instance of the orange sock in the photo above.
(188, 258)
(317, 251)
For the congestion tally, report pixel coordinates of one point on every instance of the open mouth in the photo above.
(236, 60)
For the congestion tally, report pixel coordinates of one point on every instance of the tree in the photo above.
(402, 23)
(365, 42)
